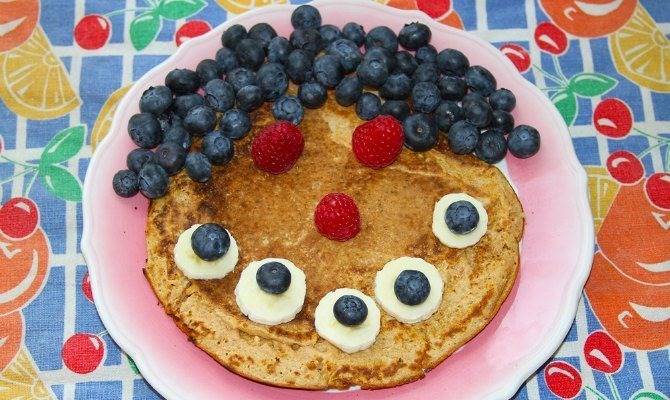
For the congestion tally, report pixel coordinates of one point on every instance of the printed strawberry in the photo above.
(337, 217)
(377, 143)
(277, 147)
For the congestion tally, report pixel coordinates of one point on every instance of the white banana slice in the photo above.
(449, 238)
(195, 267)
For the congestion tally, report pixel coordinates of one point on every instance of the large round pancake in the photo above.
(272, 216)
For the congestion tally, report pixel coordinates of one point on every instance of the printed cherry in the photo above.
(190, 30)
(19, 218)
(613, 118)
(625, 167)
(92, 32)
(83, 352)
(86, 287)
(434, 8)
(518, 55)
(658, 190)
(602, 352)
(563, 379)
(551, 38)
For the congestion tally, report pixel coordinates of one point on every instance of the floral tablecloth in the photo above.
(65, 64)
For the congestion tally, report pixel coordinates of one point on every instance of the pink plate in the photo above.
(556, 254)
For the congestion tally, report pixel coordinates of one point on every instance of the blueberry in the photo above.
(372, 72)
(426, 72)
(299, 66)
(233, 35)
(185, 102)
(198, 167)
(288, 108)
(523, 141)
(396, 108)
(273, 277)
(329, 34)
(208, 69)
(249, 98)
(250, 54)
(426, 54)
(414, 35)
(382, 36)
(126, 183)
(452, 88)
(350, 310)
(405, 63)
(226, 59)
(307, 39)
(452, 62)
(478, 113)
(502, 120)
(235, 124)
(210, 241)
(145, 130)
(480, 79)
(272, 80)
(278, 50)
(156, 100)
(328, 70)
(306, 17)
(263, 33)
(425, 97)
(461, 217)
(381, 54)
(154, 181)
(178, 134)
(219, 95)
(312, 94)
(411, 287)
(448, 113)
(472, 96)
(397, 87)
(354, 32)
(420, 132)
(368, 106)
(348, 91)
(138, 157)
(171, 157)
(164, 121)
(218, 148)
(241, 77)
(347, 52)
(502, 99)
(199, 120)
(463, 137)
(492, 146)
(182, 81)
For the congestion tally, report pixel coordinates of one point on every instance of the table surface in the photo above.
(604, 64)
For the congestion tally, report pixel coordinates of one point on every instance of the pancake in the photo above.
(273, 216)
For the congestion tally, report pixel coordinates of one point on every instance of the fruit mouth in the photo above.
(23, 286)
(10, 26)
(596, 10)
(663, 266)
(651, 314)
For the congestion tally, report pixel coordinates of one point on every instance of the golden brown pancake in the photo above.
(272, 216)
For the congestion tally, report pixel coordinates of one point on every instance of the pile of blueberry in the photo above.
(428, 91)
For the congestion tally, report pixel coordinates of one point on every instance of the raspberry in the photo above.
(378, 143)
(337, 217)
(277, 147)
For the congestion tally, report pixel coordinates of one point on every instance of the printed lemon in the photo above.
(641, 52)
(240, 6)
(21, 381)
(106, 115)
(33, 81)
(602, 190)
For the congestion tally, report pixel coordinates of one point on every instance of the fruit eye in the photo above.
(350, 310)
(459, 220)
(461, 217)
(273, 277)
(411, 287)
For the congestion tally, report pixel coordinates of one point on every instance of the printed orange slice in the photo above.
(602, 190)
(106, 115)
(240, 6)
(20, 380)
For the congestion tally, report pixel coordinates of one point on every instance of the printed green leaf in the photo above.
(144, 29)
(176, 9)
(566, 103)
(60, 182)
(648, 396)
(132, 365)
(590, 84)
(64, 145)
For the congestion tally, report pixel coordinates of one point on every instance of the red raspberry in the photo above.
(377, 143)
(277, 147)
(337, 217)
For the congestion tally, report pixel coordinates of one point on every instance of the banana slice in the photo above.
(266, 308)
(449, 238)
(385, 293)
(195, 267)
(349, 339)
